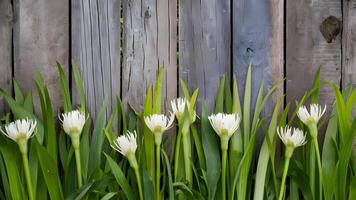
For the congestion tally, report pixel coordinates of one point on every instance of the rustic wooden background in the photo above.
(119, 45)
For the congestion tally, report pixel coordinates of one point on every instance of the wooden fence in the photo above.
(119, 45)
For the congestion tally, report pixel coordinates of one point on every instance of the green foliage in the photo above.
(191, 166)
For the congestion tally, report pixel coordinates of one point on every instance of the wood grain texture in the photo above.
(96, 49)
(41, 36)
(204, 46)
(6, 19)
(276, 46)
(252, 41)
(150, 42)
(349, 43)
(307, 49)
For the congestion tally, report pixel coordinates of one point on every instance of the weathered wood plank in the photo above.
(96, 49)
(349, 43)
(6, 19)
(310, 45)
(150, 42)
(204, 46)
(258, 40)
(41, 37)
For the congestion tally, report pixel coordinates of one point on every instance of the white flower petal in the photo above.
(22, 128)
(73, 122)
(159, 122)
(224, 123)
(291, 136)
(126, 143)
(314, 115)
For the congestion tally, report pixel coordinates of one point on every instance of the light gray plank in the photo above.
(96, 50)
(150, 42)
(204, 46)
(41, 37)
(349, 43)
(6, 19)
(307, 48)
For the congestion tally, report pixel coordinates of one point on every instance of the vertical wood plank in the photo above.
(6, 20)
(204, 46)
(258, 40)
(96, 49)
(307, 48)
(150, 42)
(40, 38)
(349, 43)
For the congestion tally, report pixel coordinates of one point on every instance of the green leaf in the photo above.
(266, 155)
(169, 174)
(212, 155)
(148, 142)
(246, 108)
(97, 139)
(79, 86)
(157, 98)
(50, 172)
(185, 89)
(219, 101)
(120, 177)
(64, 87)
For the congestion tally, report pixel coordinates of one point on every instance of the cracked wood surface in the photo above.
(204, 46)
(6, 22)
(149, 42)
(307, 49)
(349, 43)
(40, 38)
(96, 50)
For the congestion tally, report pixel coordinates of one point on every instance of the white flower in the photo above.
(159, 123)
(125, 144)
(313, 116)
(178, 106)
(20, 129)
(291, 136)
(224, 124)
(73, 122)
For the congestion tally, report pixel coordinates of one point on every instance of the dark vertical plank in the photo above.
(349, 43)
(204, 45)
(258, 40)
(96, 37)
(309, 46)
(41, 36)
(150, 42)
(6, 20)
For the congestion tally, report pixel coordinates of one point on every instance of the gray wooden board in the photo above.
(307, 48)
(149, 42)
(204, 46)
(349, 43)
(6, 20)
(40, 38)
(96, 37)
(251, 44)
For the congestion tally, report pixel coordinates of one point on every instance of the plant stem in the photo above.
(224, 146)
(138, 179)
(285, 170)
(158, 171)
(223, 174)
(176, 155)
(186, 155)
(79, 168)
(316, 146)
(27, 175)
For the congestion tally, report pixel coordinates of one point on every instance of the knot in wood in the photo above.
(330, 28)
(147, 13)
